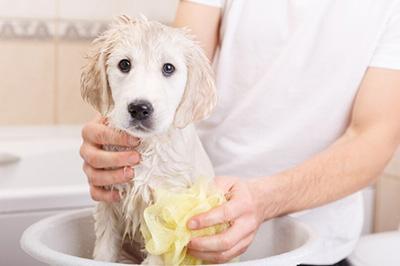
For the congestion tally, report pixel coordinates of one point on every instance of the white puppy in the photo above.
(153, 82)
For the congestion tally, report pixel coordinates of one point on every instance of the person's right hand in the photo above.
(102, 167)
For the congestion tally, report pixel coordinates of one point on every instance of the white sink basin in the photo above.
(68, 239)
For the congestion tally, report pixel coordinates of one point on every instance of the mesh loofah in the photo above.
(165, 231)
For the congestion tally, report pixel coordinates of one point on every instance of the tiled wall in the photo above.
(42, 48)
(387, 205)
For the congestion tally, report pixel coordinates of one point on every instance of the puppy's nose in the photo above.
(140, 110)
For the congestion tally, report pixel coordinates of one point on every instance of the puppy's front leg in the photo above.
(108, 232)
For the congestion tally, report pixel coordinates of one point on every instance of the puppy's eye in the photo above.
(168, 69)
(124, 65)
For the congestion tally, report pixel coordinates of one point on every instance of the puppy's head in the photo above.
(147, 77)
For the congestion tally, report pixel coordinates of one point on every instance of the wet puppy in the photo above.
(151, 81)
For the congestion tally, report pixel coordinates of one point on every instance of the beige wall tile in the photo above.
(27, 82)
(387, 212)
(70, 106)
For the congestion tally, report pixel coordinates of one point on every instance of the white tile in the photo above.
(87, 9)
(107, 9)
(45, 9)
(163, 11)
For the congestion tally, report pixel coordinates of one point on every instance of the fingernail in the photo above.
(192, 224)
(132, 160)
(128, 172)
(116, 197)
(133, 142)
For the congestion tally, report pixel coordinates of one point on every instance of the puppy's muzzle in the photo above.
(140, 110)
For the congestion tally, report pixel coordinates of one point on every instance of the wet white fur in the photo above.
(172, 156)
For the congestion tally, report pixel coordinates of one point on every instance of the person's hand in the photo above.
(242, 211)
(102, 167)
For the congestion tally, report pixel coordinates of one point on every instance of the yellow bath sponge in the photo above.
(165, 231)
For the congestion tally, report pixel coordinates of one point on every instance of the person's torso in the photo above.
(287, 74)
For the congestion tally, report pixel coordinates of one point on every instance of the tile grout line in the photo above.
(56, 59)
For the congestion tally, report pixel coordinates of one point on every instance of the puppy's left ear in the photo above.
(200, 95)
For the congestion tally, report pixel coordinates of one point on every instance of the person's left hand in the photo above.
(243, 211)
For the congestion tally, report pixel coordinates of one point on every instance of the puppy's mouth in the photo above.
(141, 126)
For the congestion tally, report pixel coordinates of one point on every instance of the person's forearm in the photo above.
(351, 163)
(203, 21)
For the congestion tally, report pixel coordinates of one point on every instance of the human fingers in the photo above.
(100, 177)
(98, 158)
(97, 133)
(227, 239)
(101, 194)
(225, 256)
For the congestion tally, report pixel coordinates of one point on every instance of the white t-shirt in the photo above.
(287, 74)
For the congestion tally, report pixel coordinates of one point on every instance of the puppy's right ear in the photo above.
(94, 82)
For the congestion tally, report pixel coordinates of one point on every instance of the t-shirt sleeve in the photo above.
(387, 53)
(216, 3)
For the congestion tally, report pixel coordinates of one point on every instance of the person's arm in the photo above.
(203, 21)
(354, 161)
